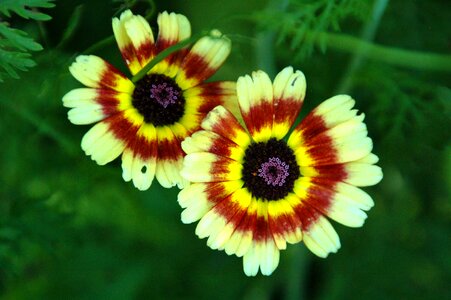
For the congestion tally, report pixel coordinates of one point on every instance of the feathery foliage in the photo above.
(15, 44)
(303, 18)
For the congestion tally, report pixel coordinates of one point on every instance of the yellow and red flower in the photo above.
(254, 191)
(147, 120)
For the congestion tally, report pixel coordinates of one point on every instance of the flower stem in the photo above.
(391, 55)
(166, 52)
(297, 273)
(99, 45)
(367, 35)
(41, 125)
(264, 48)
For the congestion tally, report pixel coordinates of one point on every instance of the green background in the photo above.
(70, 229)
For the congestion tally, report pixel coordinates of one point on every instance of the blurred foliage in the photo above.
(308, 18)
(71, 229)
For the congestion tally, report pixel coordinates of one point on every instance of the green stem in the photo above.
(43, 126)
(151, 11)
(367, 35)
(297, 273)
(395, 56)
(264, 48)
(265, 41)
(131, 4)
(42, 31)
(99, 45)
(166, 52)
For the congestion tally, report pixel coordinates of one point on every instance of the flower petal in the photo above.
(173, 28)
(195, 201)
(139, 158)
(135, 40)
(170, 159)
(92, 105)
(335, 110)
(217, 93)
(208, 141)
(283, 221)
(85, 109)
(101, 143)
(221, 221)
(192, 116)
(289, 92)
(231, 211)
(263, 252)
(222, 122)
(357, 173)
(94, 72)
(331, 134)
(263, 255)
(255, 97)
(342, 203)
(251, 260)
(369, 159)
(208, 167)
(199, 198)
(242, 239)
(321, 238)
(199, 102)
(203, 59)
(363, 174)
(318, 234)
(329, 113)
(202, 98)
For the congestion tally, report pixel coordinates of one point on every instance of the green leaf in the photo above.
(14, 43)
(18, 38)
(310, 17)
(24, 9)
(10, 61)
(72, 25)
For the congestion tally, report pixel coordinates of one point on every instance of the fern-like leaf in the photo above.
(304, 18)
(24, 9)
(18, 39)
(15, 44)
(10, 61)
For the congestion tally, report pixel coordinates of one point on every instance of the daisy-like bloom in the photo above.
(254, 191)
(147, 120)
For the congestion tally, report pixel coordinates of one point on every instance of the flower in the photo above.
(254, 191)
(147, 120)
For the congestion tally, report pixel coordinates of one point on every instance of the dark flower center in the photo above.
(159, 99)
(270, 169)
